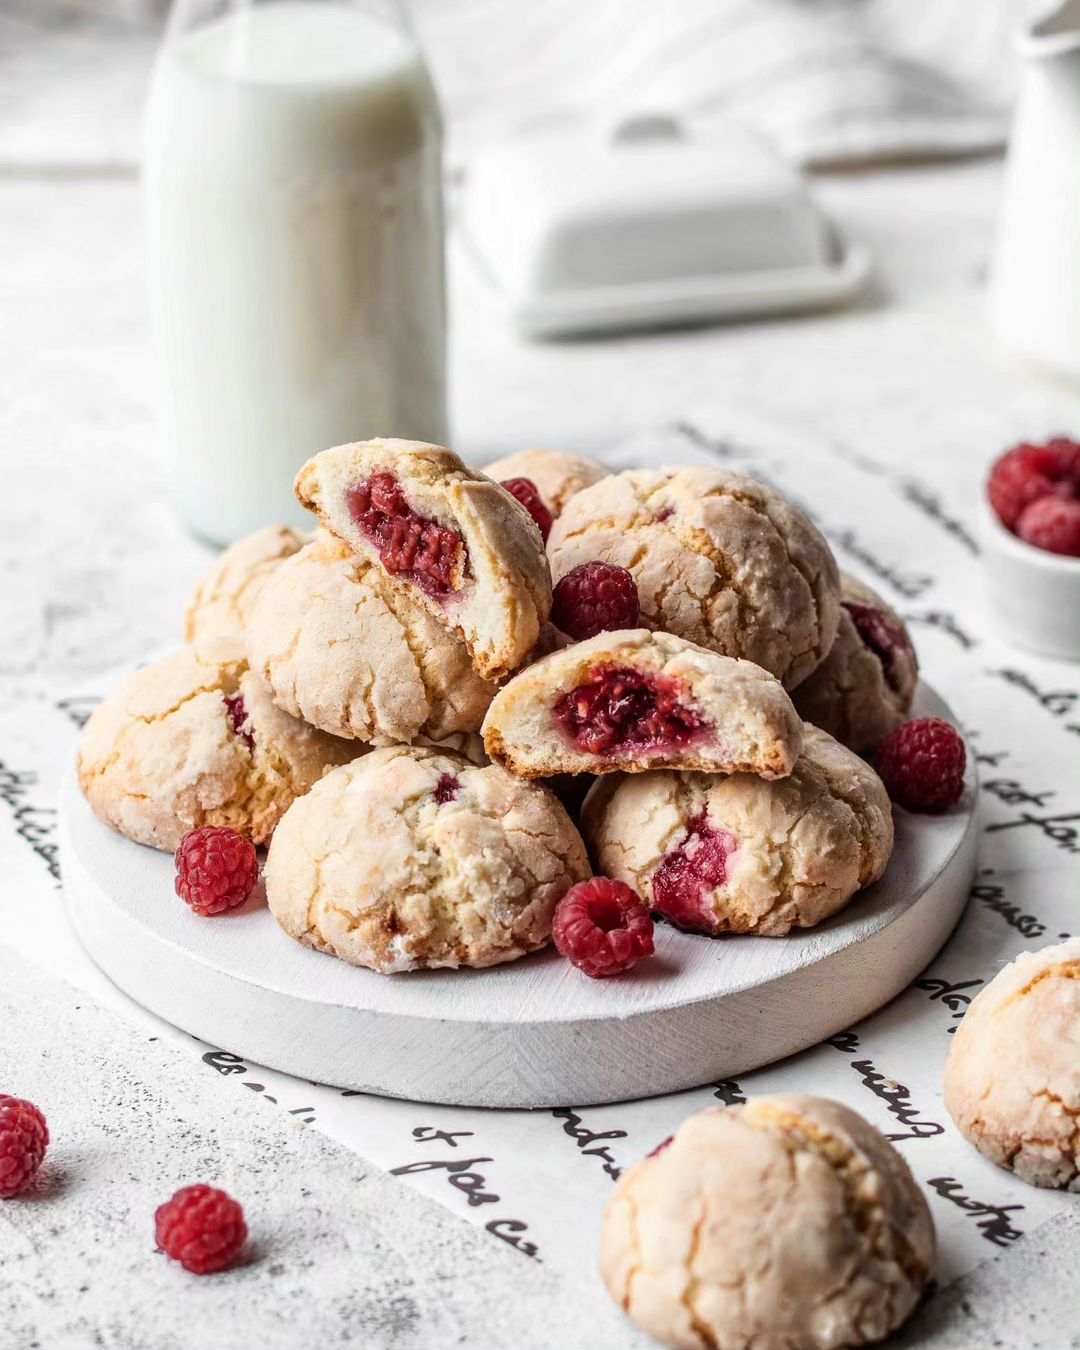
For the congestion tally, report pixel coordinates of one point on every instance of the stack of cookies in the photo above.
(387, 703)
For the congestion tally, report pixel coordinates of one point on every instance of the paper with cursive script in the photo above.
(539, 1180)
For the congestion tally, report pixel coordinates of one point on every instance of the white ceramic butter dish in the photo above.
(579, 230)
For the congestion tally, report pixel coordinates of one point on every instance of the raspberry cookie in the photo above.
(787, 1223)
(865, 685)
(556, 476)
(447, 537)
(636, 700)
(222, 601)
(1012, 1079)
(412, 858)
(349, 652)
(195, 740)
(719, 559)
(742, 855)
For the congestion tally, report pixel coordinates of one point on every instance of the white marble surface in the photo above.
(94, 569)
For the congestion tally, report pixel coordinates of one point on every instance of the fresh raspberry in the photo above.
(686, 878)
(409, 544)
(216, 869)
(620, 708)
(1027, 472)
(1051, 524)
(528, 494)
(595, 597)
(602, 927)
(200, 1227)
(922, 764)
(24, 1137)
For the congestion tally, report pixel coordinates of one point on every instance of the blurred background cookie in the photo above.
(224, 595)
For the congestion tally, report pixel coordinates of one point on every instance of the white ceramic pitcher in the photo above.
(1035, 277)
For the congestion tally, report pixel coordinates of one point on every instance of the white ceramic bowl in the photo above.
(1035, 595)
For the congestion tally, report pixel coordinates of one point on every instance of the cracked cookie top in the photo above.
(864, 687)
(338, 645)
(719, 559)
(223, 598)
(787, 1223)
(556, 475)
(412, 858)
(1012, 1078)
(450, 539)
(194, 740)
(633, 700)
(739, 854)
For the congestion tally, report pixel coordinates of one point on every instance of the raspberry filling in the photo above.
(622, 709)
(446, 789)
(882, 636)
(238, 718)
(409, 544)
(684, 880)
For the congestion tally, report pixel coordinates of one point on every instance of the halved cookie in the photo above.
(450, 537)
(636, 700)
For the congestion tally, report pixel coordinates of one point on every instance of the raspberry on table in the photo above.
(922, 764)
(602, 927)
(1052, 524)
(200, 1227)
(24, 1137)
(595, 597)
(216, 869)
(1027, 472)
(528, 494)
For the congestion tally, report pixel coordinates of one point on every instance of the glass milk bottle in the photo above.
(295, 246)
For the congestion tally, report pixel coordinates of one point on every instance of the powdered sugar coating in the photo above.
(854, 695)
(803, 845)
(719, 559)
(380, 869)
(227, 590)
(787, 1223)
(1012, 1078)
(162, 756)
(338, 645)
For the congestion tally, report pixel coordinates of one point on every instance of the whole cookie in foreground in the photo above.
(864, 687)
(636, 700)
(449, 538)
(556, 475)
(341, 647)
(719, 559)
(1012, 1078)
(411, 858)
(223, 598)
(740, 854)
(787, 1223)
(195, 740)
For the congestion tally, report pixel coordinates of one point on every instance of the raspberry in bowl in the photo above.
(1030, 531)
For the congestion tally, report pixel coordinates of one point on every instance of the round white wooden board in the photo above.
(532, 1033)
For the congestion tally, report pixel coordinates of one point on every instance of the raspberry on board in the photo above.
(1027, 472)
(528, 494)
(1052, 524)
(24, 1137)
(595, 597)
(602, 927)
(216, 869)
(200, 1227)
(922, 764)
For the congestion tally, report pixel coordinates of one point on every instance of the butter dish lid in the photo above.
(581, 229)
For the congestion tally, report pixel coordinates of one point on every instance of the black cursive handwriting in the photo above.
(897, 1101)
(585, 1138)
(991, 1220)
